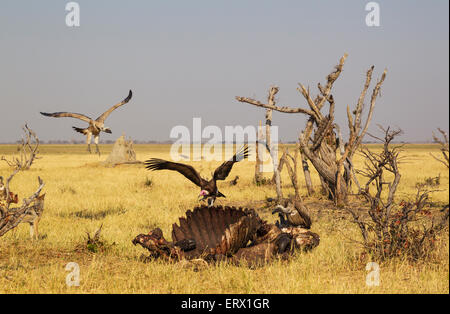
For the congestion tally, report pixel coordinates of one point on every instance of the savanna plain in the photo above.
(82, 195)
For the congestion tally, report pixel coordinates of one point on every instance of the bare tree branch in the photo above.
(11, 217)
(28, 149)
(444, 147)
(319, 142)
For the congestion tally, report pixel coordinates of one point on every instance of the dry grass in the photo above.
(81, 195)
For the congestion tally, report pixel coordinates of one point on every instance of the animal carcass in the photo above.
(227, 234)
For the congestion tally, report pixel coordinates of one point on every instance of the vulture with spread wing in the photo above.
(209, 190)
(95, 126)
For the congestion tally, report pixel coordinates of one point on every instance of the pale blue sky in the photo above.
(186, 59)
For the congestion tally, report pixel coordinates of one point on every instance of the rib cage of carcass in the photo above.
(227, 233)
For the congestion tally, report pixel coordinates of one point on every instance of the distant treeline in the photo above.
(73, 142)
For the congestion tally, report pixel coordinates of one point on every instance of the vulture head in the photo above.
(203, 195)
(293, 214)
(107, 130)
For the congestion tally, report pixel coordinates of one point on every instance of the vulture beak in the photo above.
(280, 209)
(203, 195)
(108, 130)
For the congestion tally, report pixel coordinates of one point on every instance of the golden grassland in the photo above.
(81, 195)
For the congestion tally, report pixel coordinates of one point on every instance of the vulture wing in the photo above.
(222, 172)
(68, 115)
(186, 170)
(105, 115)
(216, 230)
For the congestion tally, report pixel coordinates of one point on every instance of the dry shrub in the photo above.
(406, 229)
(94, 244)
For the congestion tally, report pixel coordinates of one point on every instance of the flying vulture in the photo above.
(95, 126)
(209, 190)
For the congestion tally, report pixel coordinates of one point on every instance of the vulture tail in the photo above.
(79, 130)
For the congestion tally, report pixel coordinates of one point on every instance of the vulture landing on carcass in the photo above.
(209, 190)
(227, 234)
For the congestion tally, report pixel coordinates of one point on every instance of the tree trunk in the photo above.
(259, 159)
(292, 173)
(280, 169)
(307, 174)
(273, 150)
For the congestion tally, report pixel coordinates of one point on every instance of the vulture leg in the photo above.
(211, 201)
(88, 142)
(97, 150)
(282, 222)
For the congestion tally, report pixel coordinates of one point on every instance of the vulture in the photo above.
(95, 126)
(293, 214)
(228, 234)
(209, 190)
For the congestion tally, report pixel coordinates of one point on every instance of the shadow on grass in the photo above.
(95, 214)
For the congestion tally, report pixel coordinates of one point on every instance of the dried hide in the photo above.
(227, 234)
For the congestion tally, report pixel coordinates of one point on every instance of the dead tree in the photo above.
(259, 162)
(306, 173)
(444, 147)
(12, 217)
(28, 150)
(272, 149)
(286, 159)
(280, 168)
(319, 141)
(392, 228)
